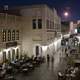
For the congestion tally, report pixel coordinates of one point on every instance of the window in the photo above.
(47, 24)
(34, 23)
(13, 35)
(39, 23)
(52, 25)
(4, 35)
(4, 56)
(17, 35)
(9, 35)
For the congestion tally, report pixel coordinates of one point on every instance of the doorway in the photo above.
(9, 56)
(37, 51)
(13, 55)
(17, 54)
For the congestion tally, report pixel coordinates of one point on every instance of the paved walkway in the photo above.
(45, 71)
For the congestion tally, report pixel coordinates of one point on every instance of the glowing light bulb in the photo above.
(66, 14)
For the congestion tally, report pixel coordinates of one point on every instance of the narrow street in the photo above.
(45, 71)
(39, 40)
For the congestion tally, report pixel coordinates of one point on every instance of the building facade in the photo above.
(74, 25)
(10, 37)
(65, 27)
(40, 27)
(30, 33)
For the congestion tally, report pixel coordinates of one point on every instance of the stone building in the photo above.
(35, 27)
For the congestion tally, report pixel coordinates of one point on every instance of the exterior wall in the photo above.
(9, 22)
(33, 37)
(30, 38)
(73, 26)
(57, 23)
(65, 28)
(49, 28)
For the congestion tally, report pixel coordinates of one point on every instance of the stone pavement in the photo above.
(45, 71)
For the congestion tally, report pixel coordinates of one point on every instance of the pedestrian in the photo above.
(65, 49)
(48, 60)
(52, 61)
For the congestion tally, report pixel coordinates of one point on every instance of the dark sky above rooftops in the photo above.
(71, 6)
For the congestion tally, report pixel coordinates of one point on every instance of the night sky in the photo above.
(72, 6)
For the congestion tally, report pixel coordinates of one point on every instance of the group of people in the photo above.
(70, 73)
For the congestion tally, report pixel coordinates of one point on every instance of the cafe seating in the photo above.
(22, 65)
(9, 77)
(24, 68)
(71, 73)
(61, 76)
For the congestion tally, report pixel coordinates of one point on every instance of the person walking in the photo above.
(52, 61)
(48, 59)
